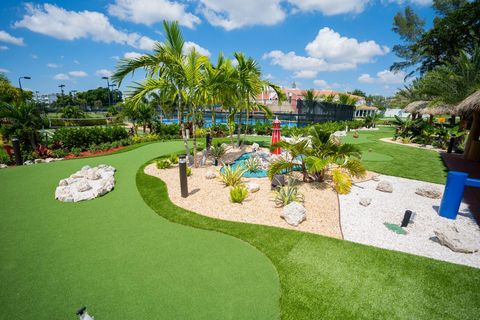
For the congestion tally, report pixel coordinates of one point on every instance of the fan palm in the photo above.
(24, 118)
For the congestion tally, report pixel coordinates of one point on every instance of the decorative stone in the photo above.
(464, 242)
(224, 146)
(365, 201)
(255, 146)
(385, 186)
(3, 166)
(86, 184)
(294, 213)
(278, 180)
(376, 178)
(210, 174)
(429, 192)
(37, 161)
(28, 163)
(252, 187)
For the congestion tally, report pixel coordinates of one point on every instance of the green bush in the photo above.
(238, 193)
(173, 158)
(76, 151)
(189, 171)
(163, 164)
(232, 177)
(84, 137)
(4, 158)
(287, 194)
(167, 130)
(60, 153)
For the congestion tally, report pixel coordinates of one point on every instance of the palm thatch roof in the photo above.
(470, 104)
(438, 110)
(416, 106)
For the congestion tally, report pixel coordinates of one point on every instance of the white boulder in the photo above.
(252, 187)
(365, 201)
(3, 166)
(86, 184)
(385, 186)
(464, 242)
(210, 174)
(255, 146)
(429, 192)
(294, 213)
(36, 161)
(28, 162)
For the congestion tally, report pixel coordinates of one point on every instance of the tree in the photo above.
(444, 7)
(11, 94)
(146, 114)
(25, 120)
(346, 99)
(358, 92)
(72, 112)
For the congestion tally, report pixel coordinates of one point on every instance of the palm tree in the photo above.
(146, 113)
(24, 118)
(131, 112)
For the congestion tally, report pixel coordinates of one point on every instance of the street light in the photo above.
(113, 93)
(74, 94)
(20, 82)
(108, 88)
(61, 88)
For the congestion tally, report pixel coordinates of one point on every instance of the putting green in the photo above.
(118, 257)
(362, 138)
(375, 156)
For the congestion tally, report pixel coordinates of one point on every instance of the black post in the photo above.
(182, 165)
(17, 152)
(208, 141)
(451, 143)
(406, 218)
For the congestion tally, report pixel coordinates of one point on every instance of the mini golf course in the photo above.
(132, 254)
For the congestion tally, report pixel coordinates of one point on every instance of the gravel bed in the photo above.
(366, 224)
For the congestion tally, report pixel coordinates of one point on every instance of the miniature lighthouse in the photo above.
(276, 135)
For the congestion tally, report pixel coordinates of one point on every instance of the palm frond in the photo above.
(342, 181)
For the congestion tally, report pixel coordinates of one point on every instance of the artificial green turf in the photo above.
(326, 278)
(403, 161)
(116, 256)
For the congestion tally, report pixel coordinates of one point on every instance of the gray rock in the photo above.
(63, 183)
(252, 187)
(376, 178)
(429, 192)
(385, 186)
(294, 213)
(3, 166)
(36, 161)
(82, 185)
(92, 174)
(365, 201)
(28, 163)
(210, 174)
(464, 242)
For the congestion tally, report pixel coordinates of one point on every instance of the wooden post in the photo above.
(473, 135)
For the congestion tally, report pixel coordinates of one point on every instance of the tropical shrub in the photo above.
(84, 137)
(287, 194)
(59, 153)
(164, 164)
(173, 158)
(189, 171)
(4, 158)
(252, 164)
(232, 176)
(238, 193)
(76, 151)
(217, 152)
(164, 130)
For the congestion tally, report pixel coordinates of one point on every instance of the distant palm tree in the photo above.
(25, 120)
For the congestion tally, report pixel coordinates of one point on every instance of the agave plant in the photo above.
(252, 164)
(287, 194)
(238, 193)
(232, 176)
(217, 152)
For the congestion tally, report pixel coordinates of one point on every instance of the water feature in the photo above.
(264, 158)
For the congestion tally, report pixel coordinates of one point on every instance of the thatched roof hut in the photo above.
(416, 106)
(438, 110)
(471, 106)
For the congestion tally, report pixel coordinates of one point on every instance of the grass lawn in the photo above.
(122, 256)
(397, 160)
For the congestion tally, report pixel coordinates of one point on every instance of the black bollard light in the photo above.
(406, 218)
(208, 141)
(451, 143)
(17, 152)
(182, 165)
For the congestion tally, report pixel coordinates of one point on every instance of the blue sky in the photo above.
(326, 44)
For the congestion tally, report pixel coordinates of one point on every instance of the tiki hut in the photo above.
(471, 107)
(415, 107)
(439, 110)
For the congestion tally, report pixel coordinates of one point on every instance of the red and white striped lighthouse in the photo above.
(276, 135)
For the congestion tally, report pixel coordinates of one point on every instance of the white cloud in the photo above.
(34, 56)
(384, 77)
(78, 74)
(76, 61)
(149, 12)
(331, 46)
(236, 14)
(418, 2)
(3, 48)
(328, 52)
(61, 76)
(2, 70)
(104, 73)
(132, 55)
(62, 24)
(322, 84)
(305, 74)
(115, 57)
(53, 65)
(6, 37)
(330, 7)
(189, 45)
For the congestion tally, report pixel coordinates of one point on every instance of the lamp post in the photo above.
(113, 93)
(108, 88)
(74, 94)
(61, 88)
(20, 81)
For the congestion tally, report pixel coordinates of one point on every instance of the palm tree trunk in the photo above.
(239, 129)
(213, 116)
(194, 137)
(246, 125)
(182, 126)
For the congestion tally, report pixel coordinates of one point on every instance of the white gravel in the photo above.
(366, 224)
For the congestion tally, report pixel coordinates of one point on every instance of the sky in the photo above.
(323, 44)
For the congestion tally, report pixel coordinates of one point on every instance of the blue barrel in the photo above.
(453, 194)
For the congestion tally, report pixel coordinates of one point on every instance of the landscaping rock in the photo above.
(210, 174)
(376, 178)
(365, 201)
(464, 242)
(86, 184)
(294, 213)
(252, 187)
(3, 166)
(278, 180)
(36, 161)
(28, 163)
(255, 146)
(385, 186)
(429, 192)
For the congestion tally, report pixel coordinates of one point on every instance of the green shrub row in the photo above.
(68, 138)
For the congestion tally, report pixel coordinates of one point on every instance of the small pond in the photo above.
(260, 173)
